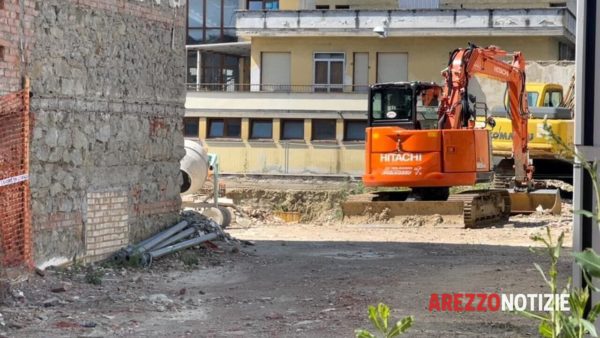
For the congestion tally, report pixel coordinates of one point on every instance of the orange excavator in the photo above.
(427, 138)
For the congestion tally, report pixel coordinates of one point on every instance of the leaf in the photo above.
(539, 268)
(401, 326)
(594, 312)
(360, 333)
(545, 329)
(585, 213)
(374, 318)
(589, 327)
(530, 315)
(384, 313)
(589, 261)
(577, 301)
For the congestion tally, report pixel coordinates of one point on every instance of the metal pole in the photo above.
(162, 236)
(216, 180)
(198, 70)
(183, 234)
(180, 246)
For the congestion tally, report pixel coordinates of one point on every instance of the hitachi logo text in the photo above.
(402, 157)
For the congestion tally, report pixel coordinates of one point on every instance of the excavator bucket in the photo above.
(537, 200)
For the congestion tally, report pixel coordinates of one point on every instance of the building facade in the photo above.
(298, 102)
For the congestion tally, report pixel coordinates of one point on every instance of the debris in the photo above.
(193, 230)
(18, 295)
(88, 324)
(40, 272)
(53, 301)
(2, 323)
(60, 288)
(182, 292)
(160, 298)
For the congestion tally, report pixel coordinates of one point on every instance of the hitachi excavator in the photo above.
(426, 137)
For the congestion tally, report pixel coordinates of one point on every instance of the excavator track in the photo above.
(482, 207)
(474, 208)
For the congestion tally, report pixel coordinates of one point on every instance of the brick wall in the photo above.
(14, 33)
(106, 228)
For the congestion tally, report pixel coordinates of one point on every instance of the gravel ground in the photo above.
(298, 280)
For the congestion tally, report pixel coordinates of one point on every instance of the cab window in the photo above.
(392, 104)
(553, 99)
(532, 98)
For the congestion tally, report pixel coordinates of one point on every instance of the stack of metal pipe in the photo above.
(182, 235)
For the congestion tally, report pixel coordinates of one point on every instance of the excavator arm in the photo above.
(454, 112)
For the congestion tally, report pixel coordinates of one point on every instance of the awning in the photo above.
(234, 48)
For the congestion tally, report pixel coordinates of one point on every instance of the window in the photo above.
(224, 128)
(192, 66)
(552, 99)
(392, 67)
(257, 5)
(392, 104)
(211, 21)
(261, 129)
(275, 71)
(354, 130)
(342, 6)
(190, 126)
(329, 72)
(292, 129)
(323, 129)
(1, 53)
(532, 98)
(566, 51)
(322, 7)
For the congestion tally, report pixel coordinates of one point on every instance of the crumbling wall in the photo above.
(107, 81)
(492, 92)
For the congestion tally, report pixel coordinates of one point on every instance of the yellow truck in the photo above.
(545, 99)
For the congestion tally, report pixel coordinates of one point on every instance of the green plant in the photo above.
(93, 276)
(558, 323)
(574, 323)
(189, 258)
(379, 318)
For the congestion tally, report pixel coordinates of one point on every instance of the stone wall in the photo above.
(107, 82)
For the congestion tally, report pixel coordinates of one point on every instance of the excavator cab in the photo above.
(408, 105)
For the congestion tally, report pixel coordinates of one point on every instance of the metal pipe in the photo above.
(180, 246)
(161, 237)
(174, 239)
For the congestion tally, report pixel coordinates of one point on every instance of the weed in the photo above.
(379, 318)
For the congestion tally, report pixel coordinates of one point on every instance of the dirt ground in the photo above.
(294, 280)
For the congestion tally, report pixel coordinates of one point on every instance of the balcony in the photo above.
(423, 22)
(271, 101)
(276, 88)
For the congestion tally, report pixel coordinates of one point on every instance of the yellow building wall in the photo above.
(427, 56)
(291, 5)
(305, 157)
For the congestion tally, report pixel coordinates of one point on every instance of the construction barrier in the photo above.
(15, 216)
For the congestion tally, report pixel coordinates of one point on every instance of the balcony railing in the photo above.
(276, 88)
(421, 22)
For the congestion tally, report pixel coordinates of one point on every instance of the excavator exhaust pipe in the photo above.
(537, 200)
